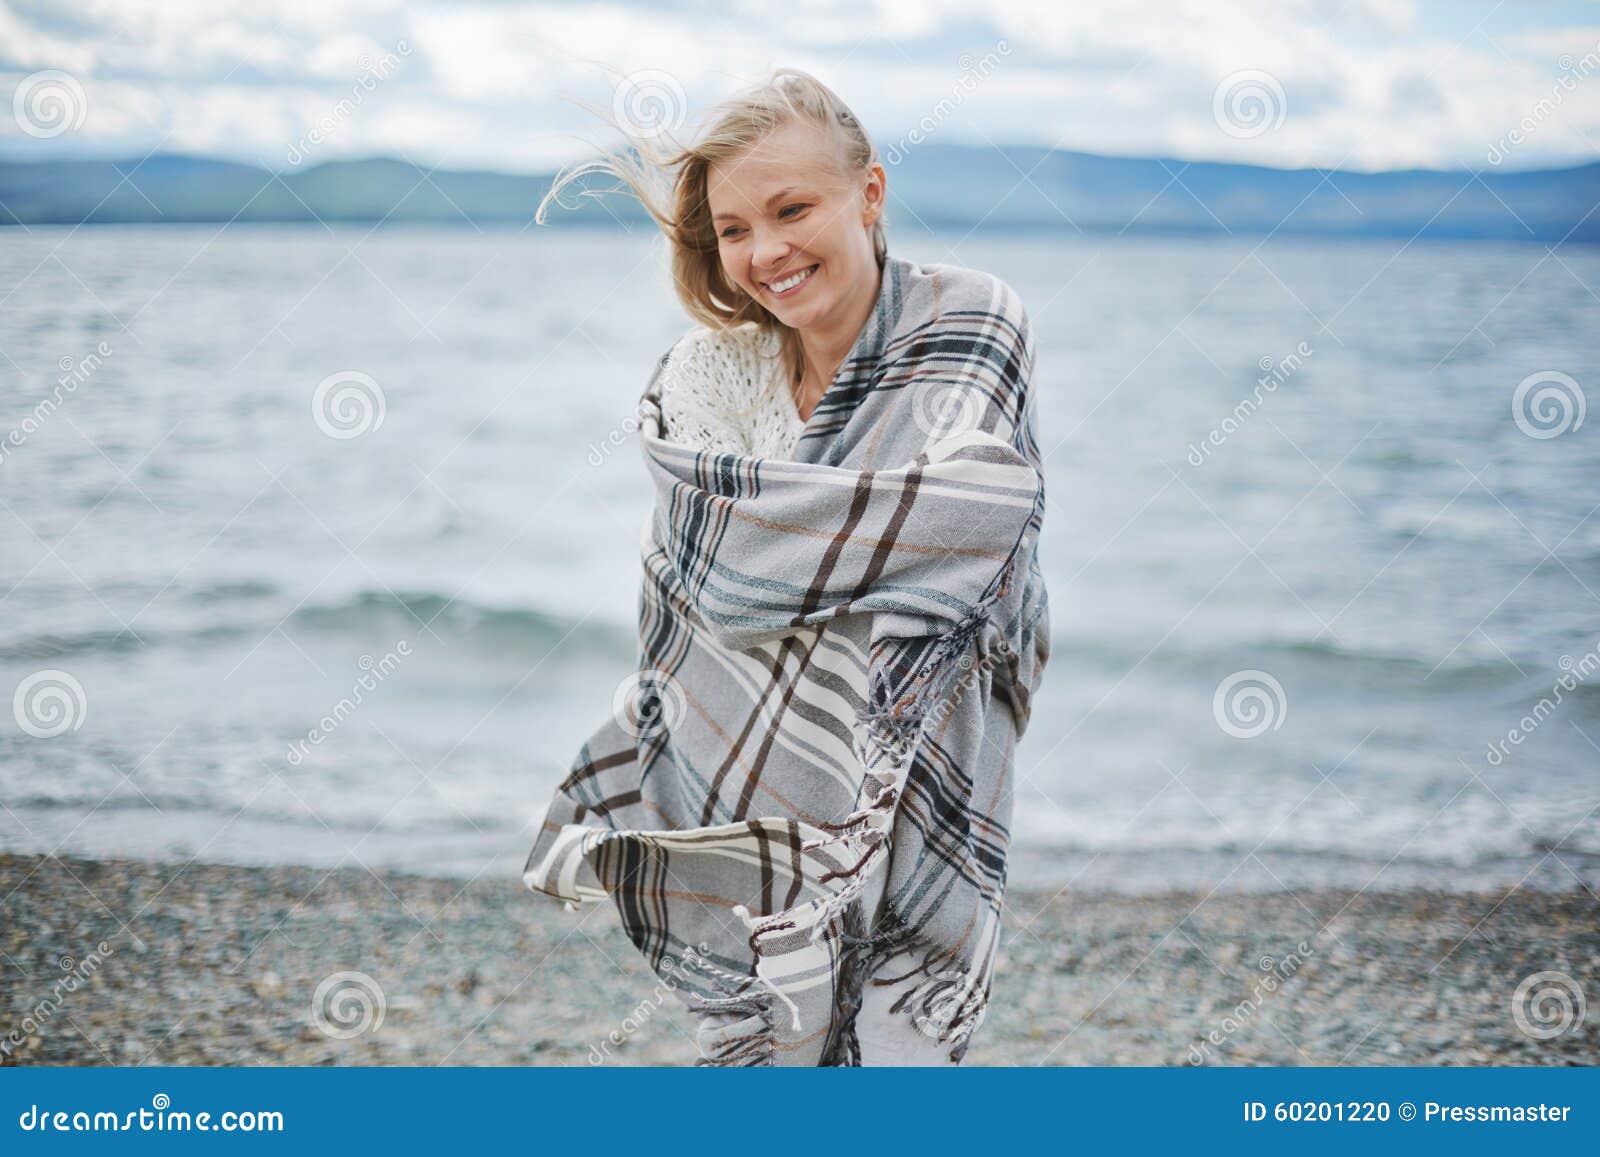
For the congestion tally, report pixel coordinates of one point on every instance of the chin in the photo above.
(798, 314)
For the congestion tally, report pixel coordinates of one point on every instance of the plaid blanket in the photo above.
(837, 657)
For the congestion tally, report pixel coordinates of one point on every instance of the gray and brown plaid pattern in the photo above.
(837, 657)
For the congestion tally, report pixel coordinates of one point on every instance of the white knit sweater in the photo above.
(725, 390)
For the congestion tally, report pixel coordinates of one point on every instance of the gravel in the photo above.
(122, 962)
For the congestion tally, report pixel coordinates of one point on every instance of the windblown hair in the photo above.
(670, 181)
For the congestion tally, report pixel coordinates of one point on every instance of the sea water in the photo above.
(320, 545)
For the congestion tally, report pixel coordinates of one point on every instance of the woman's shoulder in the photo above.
(979, 325)
(717, 386)
(727, 365)
(703, 345)
(948, 287)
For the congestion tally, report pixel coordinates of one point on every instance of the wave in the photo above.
(231, 591)
(248, 609)
(1513, 846)
(161, 806)
(52, 646)
(130, 825)
(458, 617)
(1317, 657)
(365, 611)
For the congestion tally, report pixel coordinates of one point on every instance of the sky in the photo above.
(1354, 84)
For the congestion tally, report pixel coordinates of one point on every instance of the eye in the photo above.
(785, 211)
(730, 231)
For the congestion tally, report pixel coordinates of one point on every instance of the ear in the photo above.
(875, 193)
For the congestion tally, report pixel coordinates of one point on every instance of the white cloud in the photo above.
(1365, 82)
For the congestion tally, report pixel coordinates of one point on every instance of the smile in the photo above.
(789, 284)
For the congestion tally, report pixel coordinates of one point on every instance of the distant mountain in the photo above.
(947, 186)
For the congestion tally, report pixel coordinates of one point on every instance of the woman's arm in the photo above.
(762, 548)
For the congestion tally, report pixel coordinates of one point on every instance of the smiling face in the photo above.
(792, 230)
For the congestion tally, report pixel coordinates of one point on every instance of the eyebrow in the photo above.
(784, 192)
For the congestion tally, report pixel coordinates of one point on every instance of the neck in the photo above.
(825, 346)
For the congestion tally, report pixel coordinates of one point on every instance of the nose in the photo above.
(771, 251)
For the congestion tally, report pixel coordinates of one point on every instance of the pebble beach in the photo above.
(117, 962)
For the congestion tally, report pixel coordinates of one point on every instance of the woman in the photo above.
(801, 808)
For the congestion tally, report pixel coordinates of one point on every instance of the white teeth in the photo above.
(788, 282)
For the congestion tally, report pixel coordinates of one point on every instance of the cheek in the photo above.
(831, 244)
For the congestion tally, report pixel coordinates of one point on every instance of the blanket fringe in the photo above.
(861, 956)
(950, 1003)
(748, 1041)
(887, 748)
(947, 1006)
(745, 1042)
(947, 1001)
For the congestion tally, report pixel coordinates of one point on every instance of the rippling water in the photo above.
(1401, 561)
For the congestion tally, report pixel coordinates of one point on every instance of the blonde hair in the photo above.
(671, 183)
